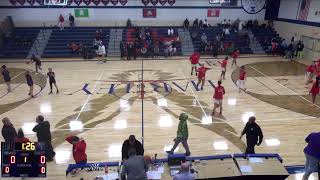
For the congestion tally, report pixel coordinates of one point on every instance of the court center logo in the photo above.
(253, 6)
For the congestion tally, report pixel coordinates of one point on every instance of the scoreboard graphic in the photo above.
(22, 160)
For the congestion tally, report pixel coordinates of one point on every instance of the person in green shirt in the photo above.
(182, 135)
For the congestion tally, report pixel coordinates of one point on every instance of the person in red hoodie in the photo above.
(20, 137)
(202, 75)
(235, 55)
(218, 97)
(79, 149)
(194, 59)
(223, 68)
(315, 90)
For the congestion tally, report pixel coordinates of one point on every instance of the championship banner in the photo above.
(96, 2)
(145, 2)
(162, 2)
(13, 2)
(114, 2)
(87, 2)
(78, 2)
(123, 2)
(213, 13)
(149, 13)
(69, 2)
(40, 2)
(81, 13)
(105, 2)
(154, 2)
(31, 2)
(21, 2)
(171, 2)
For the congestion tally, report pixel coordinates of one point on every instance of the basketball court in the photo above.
(103, 104)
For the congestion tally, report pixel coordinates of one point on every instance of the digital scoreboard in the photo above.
(22, 160)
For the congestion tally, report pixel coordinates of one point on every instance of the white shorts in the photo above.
(217, 101)
(241, 84)
(194, 65)
(223, 69)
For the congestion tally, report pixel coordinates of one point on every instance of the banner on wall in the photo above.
(162, 2)
(31, 2)
(13, 2)
(304, 10)
(96, 2)
(149, 13)
(114, 2)
(154, 2)
(81, 13)
(21, 2)
(87, 2)
(213, 13)
(105, 2)
(123, 2)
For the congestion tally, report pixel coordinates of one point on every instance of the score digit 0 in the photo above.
(42, 159)
(6, 170)
(43, 170)
(12, 159)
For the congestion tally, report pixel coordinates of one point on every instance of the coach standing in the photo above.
(253, 133)
(44, 136)
(312, 153)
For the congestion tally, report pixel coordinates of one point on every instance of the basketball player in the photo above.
(235, 55)
(52, 80)
(310, 73)
(37, 62)
(30, 83)
(102, 53)
(315, 90)
(202, 75)
(194, 59)
(242, 79)
(218, 97)
(6, 77)
(223, 68)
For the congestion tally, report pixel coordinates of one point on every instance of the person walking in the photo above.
(6, 77)
(182, 135)
(312, 153)
(253, 134)
(78, 148)
(42, 129)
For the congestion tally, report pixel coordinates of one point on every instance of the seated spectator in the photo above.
(98, 35)
(194, 35)
(204, 38)
(8, 131)
(135, 167)
(129, 23)
(173, 48)
(170, 32)
(196, 23)
(74, 47)
(226, 31)
(131, 143)
(156, 51)
(184, 173)
(186, 24)
(20, 137)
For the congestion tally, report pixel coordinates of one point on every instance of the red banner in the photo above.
(213, 12)
(149, 13)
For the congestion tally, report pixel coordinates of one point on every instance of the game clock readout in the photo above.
(22, 160)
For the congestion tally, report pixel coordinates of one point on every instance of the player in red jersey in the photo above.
(202, 75)
(315, 90)
(310, 73)
(235, 55)
(242, 79)
(218, 97)
(194, 59)
(223, 68)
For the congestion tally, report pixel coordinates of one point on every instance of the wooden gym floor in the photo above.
(102, 104)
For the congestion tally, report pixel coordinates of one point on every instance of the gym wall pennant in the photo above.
(171, 2)
(154, 2)
(105, 2)
(123, 2)
(13, 2)
(31, 2)
(87, 2)
(69, 2)
(40, 2)
(96, 2)
(21, 2)
(163, 2)
(78, 2)
(114, 2)
(145, 2)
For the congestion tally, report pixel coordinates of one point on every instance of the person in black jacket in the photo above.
(8, 131)
(71, 20)
(253, 134)
(44, 136)
(131, 143)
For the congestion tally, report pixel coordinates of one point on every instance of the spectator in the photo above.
(74, 47)
(254, 135)
(6, 77)
(156, 50)
(300, 47)
(170, 32)
(241, 24)
(129, 51)
(131, 143)
(184, 173)
(224, 22)
(129, 23)
(201, 24)
(8, 131)
(61, 22)
(42, 129)
(206, 24)
(122, 49)
(79, 149)
(172, 48)
(20, 137)
(204, 38)
(186, 24)
(312, 153)
(135, 167)
(182, 135)
(71, 20)
(226, 32)
(290, 51)
(196, 23)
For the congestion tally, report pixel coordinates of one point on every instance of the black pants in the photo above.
(48, 148)
(250, 148)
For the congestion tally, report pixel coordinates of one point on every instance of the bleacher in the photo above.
(158, 34)
(13, 47)
(57, 46)
(262, 33)
(211, 32)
